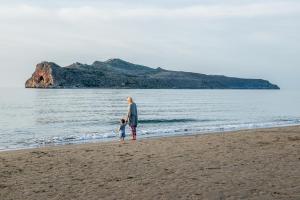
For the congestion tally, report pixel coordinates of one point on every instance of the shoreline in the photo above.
(144, 137)
(248, 164)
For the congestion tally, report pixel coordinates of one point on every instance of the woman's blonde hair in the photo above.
(129, 99)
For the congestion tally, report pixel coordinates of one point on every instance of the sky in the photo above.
(241, 38)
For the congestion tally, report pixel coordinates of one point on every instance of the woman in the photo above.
(132, 117)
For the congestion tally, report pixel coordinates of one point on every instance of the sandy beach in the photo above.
(250, 164)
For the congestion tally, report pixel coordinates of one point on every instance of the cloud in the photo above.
(248, 38)
(123, 12)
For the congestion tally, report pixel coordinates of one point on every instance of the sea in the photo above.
(32, 118)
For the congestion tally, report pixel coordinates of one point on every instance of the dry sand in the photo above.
(253, 164)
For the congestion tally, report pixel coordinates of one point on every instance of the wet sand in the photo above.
(251, 164)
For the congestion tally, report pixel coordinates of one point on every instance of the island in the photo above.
(117, 73)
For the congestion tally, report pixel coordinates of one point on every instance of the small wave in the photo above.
(160, 132)
(287, 120)
(73, 138)
(156, 121)
(160, 121)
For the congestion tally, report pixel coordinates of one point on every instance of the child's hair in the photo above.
(123, 121)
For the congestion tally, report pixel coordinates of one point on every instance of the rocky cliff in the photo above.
(116, 73)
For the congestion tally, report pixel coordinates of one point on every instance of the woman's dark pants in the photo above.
(133, 132)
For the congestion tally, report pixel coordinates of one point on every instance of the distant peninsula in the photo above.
(117, 73)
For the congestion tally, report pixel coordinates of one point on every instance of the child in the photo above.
(122, 130)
